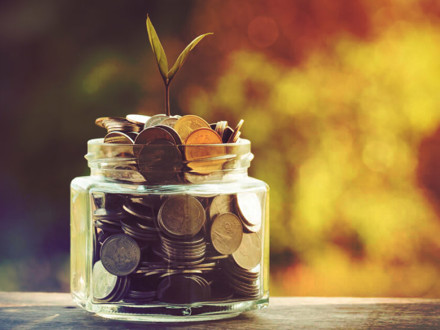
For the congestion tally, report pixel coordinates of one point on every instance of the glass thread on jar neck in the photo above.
(165, 164)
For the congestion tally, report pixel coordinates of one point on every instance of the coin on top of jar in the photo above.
(151, 134)
(137, 119)
(204, 159)
(119, 138)
(234, 137)
(155, 120)
(186, 124)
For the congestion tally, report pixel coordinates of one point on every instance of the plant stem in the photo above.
(167, 98)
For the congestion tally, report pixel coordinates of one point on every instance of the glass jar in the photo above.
(169, 233)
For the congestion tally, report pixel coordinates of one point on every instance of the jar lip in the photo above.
(241, 142)
(169, 163)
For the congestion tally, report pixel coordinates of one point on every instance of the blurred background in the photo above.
(340, 99)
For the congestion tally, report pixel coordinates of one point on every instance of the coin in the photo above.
(104, 283)
(227, 133)
(131, 227)
(113, 124)
(249, 207)
(236, 134)
(118, 138)
(186, 124)
(137, 119)
(248, 254)
(220, 204)
(220, 127)
(170, 121)
(226, 233)
(161, 162)
(151, 134)
(173, 133)
(120, 254)
(204, 159)
(155, 120)
(139, 210)
(182, 289)
(181, 215)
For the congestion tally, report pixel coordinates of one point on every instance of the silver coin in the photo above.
(137, 119)
(181, 215)
(120, 254)
(155, 120)
(103, 282)
(249, 207)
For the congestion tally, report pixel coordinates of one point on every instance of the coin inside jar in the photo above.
(248, 254)
(220, 204)
(226, 233)
(104, 283)
(120, 254)
(249, 207)
(181, 215)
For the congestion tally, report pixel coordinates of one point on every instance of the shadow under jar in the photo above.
(169, 233)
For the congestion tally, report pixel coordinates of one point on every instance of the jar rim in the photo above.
(162, 163)
(241, 142)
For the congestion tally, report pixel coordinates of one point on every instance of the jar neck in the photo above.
(169, 164)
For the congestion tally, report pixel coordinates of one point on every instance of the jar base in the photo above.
(176, 313)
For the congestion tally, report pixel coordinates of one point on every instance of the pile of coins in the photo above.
(169, 149)
(176, 248)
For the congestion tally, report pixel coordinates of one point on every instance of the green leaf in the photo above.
(158, 51)
(183, 56)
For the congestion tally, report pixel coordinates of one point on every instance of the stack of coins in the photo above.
(119, 130)
(169, 149)
(177, 248)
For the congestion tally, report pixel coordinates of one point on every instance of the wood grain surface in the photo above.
(32, 310)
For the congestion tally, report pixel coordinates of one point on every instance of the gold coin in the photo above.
(186, 124)
(204, 159)
(248, 254)
(226, 233)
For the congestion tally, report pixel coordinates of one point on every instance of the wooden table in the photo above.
(32, 310)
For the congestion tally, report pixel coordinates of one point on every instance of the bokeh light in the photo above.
(340, 100)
